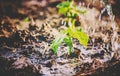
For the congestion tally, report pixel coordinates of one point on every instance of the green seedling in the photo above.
(26, 19)
(71, 13)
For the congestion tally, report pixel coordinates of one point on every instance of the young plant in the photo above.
(71, 13)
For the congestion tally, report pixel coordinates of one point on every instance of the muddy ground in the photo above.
(27, 29)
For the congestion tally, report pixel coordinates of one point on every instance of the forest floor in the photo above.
(27, 29)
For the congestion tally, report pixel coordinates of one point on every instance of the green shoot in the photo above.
(57, 42)
(26, 19)
(71, 13)
(68, 41)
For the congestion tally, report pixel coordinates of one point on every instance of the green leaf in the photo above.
(63, 4)
(68, 41)
(62, 10)
(63, 7)
(57, 42)
(81, 36)
(80, 30)
(26, 19)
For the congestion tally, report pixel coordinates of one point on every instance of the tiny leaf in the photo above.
(63, 7)
(56, 43)
(68, 41)
(63, 4)
(81, 36)
(26, 19)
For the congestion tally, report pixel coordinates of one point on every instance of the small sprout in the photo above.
(26, 19)
(71, 13)
(57, 42)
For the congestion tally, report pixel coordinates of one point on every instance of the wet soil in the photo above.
(25, 45)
